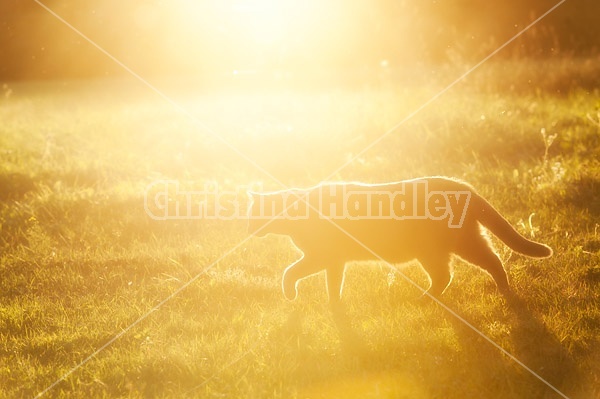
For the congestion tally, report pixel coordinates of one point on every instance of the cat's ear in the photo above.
(252, 197)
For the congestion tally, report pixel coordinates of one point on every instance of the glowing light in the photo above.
(265, 20)
(247, 40)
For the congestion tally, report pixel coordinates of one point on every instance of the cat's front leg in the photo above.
(335, 282)
(298, 270)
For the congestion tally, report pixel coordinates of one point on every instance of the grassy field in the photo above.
(81, 261)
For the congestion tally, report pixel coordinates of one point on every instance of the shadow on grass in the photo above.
(477, 367)
(14, 186)
(584, 193)
(352, 343)
(358, 369)
(536, 347)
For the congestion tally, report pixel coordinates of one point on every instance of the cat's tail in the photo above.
(491, 219)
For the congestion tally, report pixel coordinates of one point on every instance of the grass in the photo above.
(81, 261)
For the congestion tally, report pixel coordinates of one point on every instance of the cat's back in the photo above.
(433, 183)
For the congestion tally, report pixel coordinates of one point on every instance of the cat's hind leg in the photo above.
(479, 252)
(438, 269)
(335, 282)
(303, 267)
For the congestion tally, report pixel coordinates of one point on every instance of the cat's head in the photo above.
(276, 212)
(256, 220)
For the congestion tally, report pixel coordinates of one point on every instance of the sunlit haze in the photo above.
(275, 199)
(311, 39)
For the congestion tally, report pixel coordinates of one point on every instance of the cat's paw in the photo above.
(289, 290)
(426, 299)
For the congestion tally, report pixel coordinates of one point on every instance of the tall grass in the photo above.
(81, 261)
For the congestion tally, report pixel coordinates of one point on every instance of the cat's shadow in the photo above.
(548, 356)
(535, 347)
(533, 344)
(351, 342)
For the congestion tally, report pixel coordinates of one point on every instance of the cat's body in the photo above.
(427, 219)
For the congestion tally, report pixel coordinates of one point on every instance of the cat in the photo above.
(428, 219)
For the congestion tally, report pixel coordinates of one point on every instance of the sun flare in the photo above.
(265, 21)
(257, 35)
(258, 21)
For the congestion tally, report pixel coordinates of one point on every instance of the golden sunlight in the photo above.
(257, 35)
(258, 22)
(173, 172)
(265, 21)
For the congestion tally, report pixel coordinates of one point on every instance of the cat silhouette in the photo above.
(428, 219)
